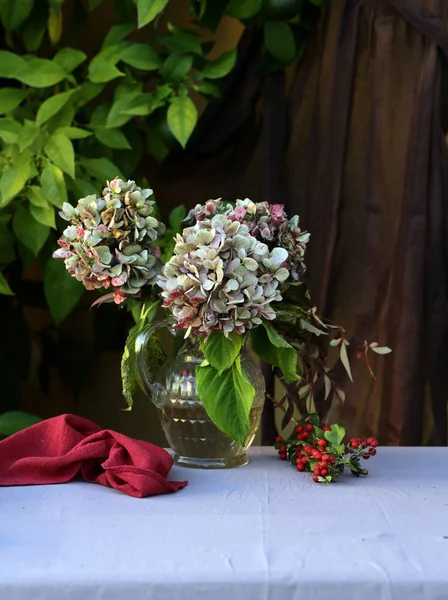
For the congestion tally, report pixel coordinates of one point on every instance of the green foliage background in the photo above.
(69, 121)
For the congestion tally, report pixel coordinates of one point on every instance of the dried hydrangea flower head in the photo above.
(266, 222)
(110, 240)
(221, 278)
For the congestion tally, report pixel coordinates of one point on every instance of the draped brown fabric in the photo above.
(359, 153)
(367, 166)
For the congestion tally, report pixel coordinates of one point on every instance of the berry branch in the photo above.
(305, 331)
(322, 451)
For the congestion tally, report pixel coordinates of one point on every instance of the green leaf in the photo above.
(51, 106)
(10, 98)
(144, 105)
(147, 10)
(59, 150)
(344, 359)
(36, 196)
(9, 130)
(209, 89)
(69, 58)
(83, 188)
(243, 9)
(15, 420)
(227, 399)
(380, 349)
(45, 216)
(14, 13)
(220, 351)
(335, 435)
(74, 133)
(99, 115)
(102, 67)
(113, 138)
(176, 67)
(164, 91)
(141, 56)
(311, 328)
(314, 419)
(89, 91)
(62, 291)
(340, 449)
(126, 97)
(181, 41)
(40, 208)
(10, 64)
(53, 185)
(202, 8)
(155, 354)
(33, 31)
(117, 33)
(5, 290)
(275, 350)
(63, 118)
(40, 73)
(182, 117)
(177, 215)
(28, 135)
(221, 66)
(14, 179)
(31, 233)
(101, 168)
(103, 71)
(279, 40)
(129, 380)
(55, 24)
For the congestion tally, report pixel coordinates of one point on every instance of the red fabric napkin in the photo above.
(59, 449)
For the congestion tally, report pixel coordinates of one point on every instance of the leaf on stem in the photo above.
(288, 415)
(344, 358)
(227, 399)
(147, 10)
(271, 347)
(182, 117)
(221, 351)
(311, 328)
(335, 435)
(380, 349)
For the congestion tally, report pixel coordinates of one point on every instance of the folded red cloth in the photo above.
(59, 449)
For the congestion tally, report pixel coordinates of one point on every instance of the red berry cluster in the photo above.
(366, 448)
(321, 450)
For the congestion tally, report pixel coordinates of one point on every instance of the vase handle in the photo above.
(154, 389)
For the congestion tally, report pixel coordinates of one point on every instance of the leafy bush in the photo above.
(69, 121)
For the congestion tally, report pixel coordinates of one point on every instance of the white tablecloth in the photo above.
(254, 533)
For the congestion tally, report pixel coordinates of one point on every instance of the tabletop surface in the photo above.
(258, 532)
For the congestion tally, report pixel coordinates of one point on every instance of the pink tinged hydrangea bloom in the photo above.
(267, 223)
(109, 242)
(221, 278)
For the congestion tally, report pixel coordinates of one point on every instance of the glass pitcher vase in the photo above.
(195, 439)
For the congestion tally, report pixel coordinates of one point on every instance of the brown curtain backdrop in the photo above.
(359, 152)
(367, 166)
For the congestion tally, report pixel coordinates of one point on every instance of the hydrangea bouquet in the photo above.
(235, 275)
